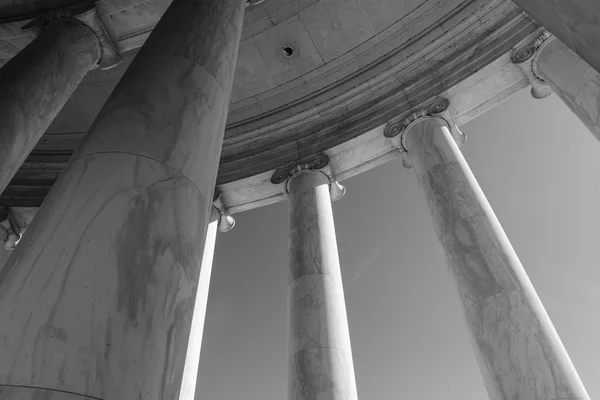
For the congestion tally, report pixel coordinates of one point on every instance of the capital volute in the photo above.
(525, 57)
(318, 164)
(85, 13)
(397, 128)
(10, 232)
(226, 221)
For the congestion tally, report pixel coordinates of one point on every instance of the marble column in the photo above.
(36, 83)
(518, 350)
(320, 357)
(574, 22)
(572, 79)
(221, 221)
(97, 300)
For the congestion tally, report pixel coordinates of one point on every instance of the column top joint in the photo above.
(397, 127)
(84, 13)
(319, 164)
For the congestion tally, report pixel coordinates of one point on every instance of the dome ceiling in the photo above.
(311, 74)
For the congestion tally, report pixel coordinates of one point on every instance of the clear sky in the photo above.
(540, 169)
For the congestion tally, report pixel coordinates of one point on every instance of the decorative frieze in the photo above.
(319, 163)
(85, 13)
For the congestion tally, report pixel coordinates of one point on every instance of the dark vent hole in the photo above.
(288, 51)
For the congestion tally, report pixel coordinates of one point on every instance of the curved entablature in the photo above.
(463, 102)
(299, 89)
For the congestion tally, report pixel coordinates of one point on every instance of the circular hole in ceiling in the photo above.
(288, 51)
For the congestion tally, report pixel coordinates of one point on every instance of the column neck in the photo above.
(87, 17)
(318, 165)
(397, 128)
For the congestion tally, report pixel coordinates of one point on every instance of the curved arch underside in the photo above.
(356, 65)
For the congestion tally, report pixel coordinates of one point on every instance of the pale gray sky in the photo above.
(540, 169)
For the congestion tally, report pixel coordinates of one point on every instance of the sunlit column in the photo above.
(574, 22)
(518, 350)
(553, 64)
(97, 300)
(221, 221)
(320, 357)
(35, 85)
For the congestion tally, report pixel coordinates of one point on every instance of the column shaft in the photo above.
(574, 22)
(572, 79)
(98, 300)
(320, 356)
(192, 359)
(36, 83)
(518, 350)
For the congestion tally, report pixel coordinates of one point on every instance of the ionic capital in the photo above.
(397, 127)
(87, 15)
(10, 232)
(226, 221)
(319, 164)
(525, 58)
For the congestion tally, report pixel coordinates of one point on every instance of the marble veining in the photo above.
(573, 80)
(35, 85)
(320, 354)
(519, 353)
(99, 297)
(523, 354)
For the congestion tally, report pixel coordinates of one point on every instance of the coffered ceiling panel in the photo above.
(251, 73)
(382, 13)
(335, 26)
(290, 33)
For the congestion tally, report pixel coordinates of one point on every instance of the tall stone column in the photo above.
(97, 300)
(35, 85)
(518, 350)
(574, 22)
(320, 357)
(221, 221)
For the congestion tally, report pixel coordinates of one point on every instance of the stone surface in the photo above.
(573, 80)
(192, 357)
(99, 300)
(320, 355)
(36, 84)
(518, 351)
(575, 22)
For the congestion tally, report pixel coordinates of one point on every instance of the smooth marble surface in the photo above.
(574, 22)
(320, 355)
(100, 298)
(573, 80)
(35, 85)
(192, 357)
(519, 353)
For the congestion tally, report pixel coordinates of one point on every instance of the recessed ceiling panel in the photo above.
(336, 26)
(290, 33)
(383, 13)
(251, 73)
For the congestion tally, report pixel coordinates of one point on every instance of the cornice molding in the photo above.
(86, 14)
